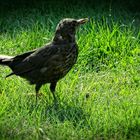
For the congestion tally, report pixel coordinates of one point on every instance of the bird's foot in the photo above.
(56, 103)
(39, 94)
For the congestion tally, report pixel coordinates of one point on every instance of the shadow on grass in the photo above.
(61, 111)
(67, 112)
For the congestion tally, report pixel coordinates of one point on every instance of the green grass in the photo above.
(107, 72)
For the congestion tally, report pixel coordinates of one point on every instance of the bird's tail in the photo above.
(5, 60)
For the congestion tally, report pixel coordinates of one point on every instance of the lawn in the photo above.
(99, 98)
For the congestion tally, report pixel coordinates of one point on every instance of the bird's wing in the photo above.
(19, 58)
(37, 60)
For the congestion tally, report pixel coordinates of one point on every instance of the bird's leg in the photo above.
(52, 88)
(37, 88)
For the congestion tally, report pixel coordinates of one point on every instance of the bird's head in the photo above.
(66, 28)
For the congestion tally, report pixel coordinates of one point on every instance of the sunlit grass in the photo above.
(98, 99)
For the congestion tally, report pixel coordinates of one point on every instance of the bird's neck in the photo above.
(64, 38)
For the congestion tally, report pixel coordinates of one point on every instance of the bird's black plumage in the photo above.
(50, 63)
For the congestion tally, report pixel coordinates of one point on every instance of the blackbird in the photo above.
(50, 63)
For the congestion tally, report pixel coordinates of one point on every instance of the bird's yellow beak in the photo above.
(82, 21)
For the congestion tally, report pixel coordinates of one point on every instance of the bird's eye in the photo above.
(74, 22)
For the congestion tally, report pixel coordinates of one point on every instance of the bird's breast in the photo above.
(70, 58)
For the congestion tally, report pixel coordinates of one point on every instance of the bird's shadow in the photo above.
(66, 112)
(60, 110)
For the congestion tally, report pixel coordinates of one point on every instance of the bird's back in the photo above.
(48, 64)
